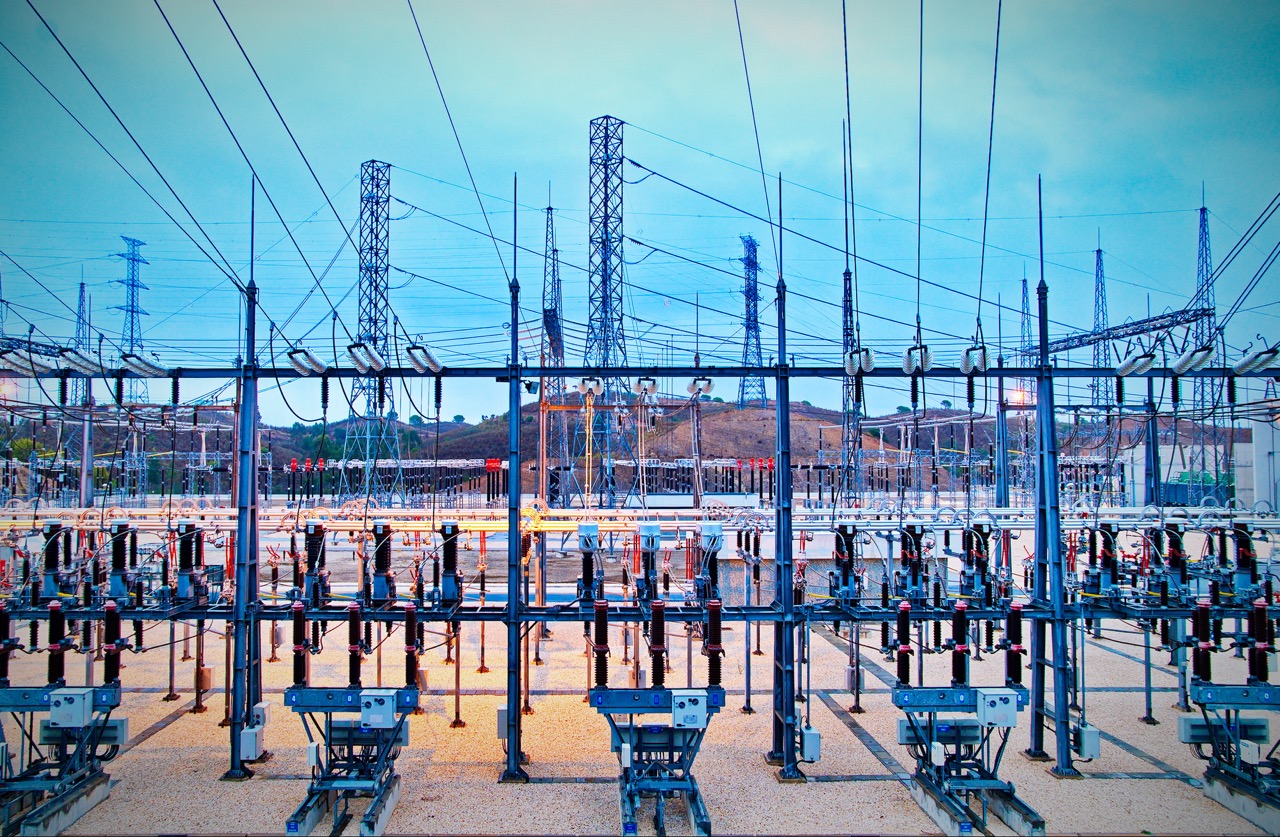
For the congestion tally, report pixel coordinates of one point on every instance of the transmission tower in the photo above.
(1206, 391)
(751, 388)
(1026, 344)
(371, 434)
(557, 454)
(131, 336)
(606, 339)
(1101, 349)
(79, 386)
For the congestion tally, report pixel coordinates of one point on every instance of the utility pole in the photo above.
(246, 682)
(512, 771)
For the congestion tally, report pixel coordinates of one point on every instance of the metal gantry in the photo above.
(1159, 587)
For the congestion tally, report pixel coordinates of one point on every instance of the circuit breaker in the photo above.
(997, 707)
(689, 708)
(71, 708)
(378, 708)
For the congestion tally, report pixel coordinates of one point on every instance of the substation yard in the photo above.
(169, 773)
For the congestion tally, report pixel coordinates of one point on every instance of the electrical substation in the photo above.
(1010, 616)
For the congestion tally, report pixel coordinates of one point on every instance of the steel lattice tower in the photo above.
(370, 434)
(553, 352)
(1206, 391)
(606, 339)
(1101, 349)
(131, 335)
(79, 386)
(851, 408)
(1027, 356)
(1026, 344)
(751, 388)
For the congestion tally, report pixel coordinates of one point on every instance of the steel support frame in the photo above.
(246, 675)
(1050, 571)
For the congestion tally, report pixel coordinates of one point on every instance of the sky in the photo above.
(1126, 111)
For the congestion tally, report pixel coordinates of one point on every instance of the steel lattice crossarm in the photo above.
(1160, 322)
(19, 344)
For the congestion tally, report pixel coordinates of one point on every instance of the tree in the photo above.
(460, 419)
(902, 409)
(416, 421)
(807, 403)
(946, 404)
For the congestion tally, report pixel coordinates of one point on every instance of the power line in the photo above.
(458, 140)
(293, 139)
(755, 126)
(230, 275)
(230, 272)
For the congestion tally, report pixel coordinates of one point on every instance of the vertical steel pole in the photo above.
(1152, 462)
(784, 633)
(1050, 581)
(246, 536)
(513, 772)
(1002, 443)
(86, 448)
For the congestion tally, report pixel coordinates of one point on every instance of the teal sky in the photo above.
(1126, 109)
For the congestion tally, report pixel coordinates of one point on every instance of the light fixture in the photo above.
(917, 359)
(142, 367)
(591, 385)
(1193, 360)
(365, 358)
(423, 360)
(25, 363)
(77, 361)
(974, 359)
(859, 361)
(700, 386)
(306, 362)
(644, 386)
(1260, 359)
(1136, 363)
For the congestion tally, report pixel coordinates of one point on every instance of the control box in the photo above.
(251, 743)
(71, 708)
(378, 708)
(997, 707)
(1087, 741)
(689, 708)
(810, 744)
